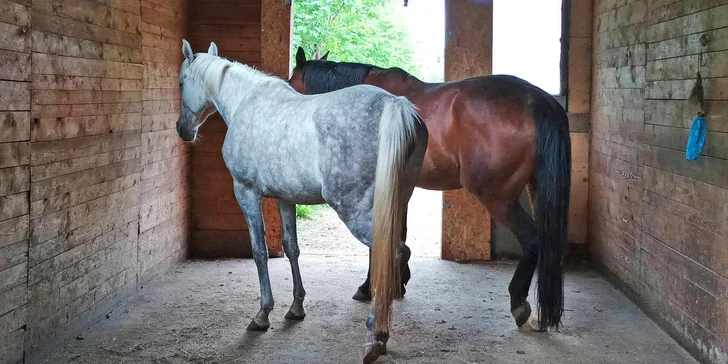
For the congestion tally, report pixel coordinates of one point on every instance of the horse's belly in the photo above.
(291, 185)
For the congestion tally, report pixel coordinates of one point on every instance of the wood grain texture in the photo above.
(468, 52)
(15, 103)
(656, 220)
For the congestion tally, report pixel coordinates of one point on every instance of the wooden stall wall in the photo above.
(14, 175)
(93, 196)
(164, 220)
(658, 222)
(219, 228)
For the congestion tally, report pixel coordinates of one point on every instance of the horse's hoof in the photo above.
(361, 296)
(254, 326)
(372, 352)
(295, 316)
(401, 293)
(533, 324)
(521, 313)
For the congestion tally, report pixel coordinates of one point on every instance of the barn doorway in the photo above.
(386, 34)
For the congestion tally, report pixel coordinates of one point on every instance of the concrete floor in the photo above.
(453, 313)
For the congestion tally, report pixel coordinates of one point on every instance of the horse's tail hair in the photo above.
(553, 180)
(398, 129)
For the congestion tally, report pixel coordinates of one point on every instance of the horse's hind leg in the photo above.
(250, 202)
(364, 293)
(290, 247)
(524, 228)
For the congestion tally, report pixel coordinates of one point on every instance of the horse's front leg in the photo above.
(250, 201)
(290, 247)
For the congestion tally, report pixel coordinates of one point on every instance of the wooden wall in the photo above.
(219, 228)
(93, 199)
(15, 76)
(658, 222)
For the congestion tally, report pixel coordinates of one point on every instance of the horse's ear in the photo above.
(213, 49)
(187, 50)
(300, 57)
(325, 57)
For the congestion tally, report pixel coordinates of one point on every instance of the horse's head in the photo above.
(296, 80)
(196, 101)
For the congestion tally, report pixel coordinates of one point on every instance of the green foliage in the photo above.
(363, 31)
(306, 211)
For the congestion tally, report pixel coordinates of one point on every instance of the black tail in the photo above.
(553, 179)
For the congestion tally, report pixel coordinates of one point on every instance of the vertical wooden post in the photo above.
(275, 54)
(468, 53)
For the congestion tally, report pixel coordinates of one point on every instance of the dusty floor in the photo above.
(453, 313)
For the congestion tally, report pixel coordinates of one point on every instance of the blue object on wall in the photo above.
(696, 140)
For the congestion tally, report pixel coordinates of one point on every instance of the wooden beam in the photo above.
(468, 53)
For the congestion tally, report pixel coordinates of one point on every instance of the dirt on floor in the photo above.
(453, 313)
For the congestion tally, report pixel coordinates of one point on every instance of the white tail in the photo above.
(397, 131)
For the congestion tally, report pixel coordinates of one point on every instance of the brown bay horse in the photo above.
(494, 136)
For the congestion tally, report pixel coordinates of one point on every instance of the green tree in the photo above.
(361, 31)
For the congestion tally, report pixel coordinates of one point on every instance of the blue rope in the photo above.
(696, 140)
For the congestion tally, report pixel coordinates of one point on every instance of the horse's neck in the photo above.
(239, 89)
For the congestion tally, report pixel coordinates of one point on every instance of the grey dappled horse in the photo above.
(358, 149)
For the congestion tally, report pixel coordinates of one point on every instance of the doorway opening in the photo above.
(385, 34)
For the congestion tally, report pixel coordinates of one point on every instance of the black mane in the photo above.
(321, 76)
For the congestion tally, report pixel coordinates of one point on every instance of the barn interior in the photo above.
(121, 243)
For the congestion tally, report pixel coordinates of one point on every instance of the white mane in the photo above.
(209, 71)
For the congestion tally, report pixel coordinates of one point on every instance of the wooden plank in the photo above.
(621, 57)
(130, 6)
(16, 66)
(12, 299)
(629, 14)
(211, 30)
(151, 170)
(14, 180)
(13, 255)
(15, 95)
(76, 181)
(61, 45)
(621, 37)
(70, 66)
(81, 195)
(580, 62)
(14, 154)
(79, 29)
(46, 129)
(710, 19)
(162, 154)
(224, 14)
(688, 45)
(95, 235)
(40, 111)
(682, 8)
(14, 13)
(10, 278)
(13, 206)
(91, 12)
(716, 144)
(712, 222)
(621, 78)
(166, 21)
(714, 89)
(59, 150)
(692, 241)
(39, 173)
(13, 230)
(240, 43)
(705, 169)
(701, 196)
(14, 126)
(63, 222)
(679, 113)
(15, 38)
